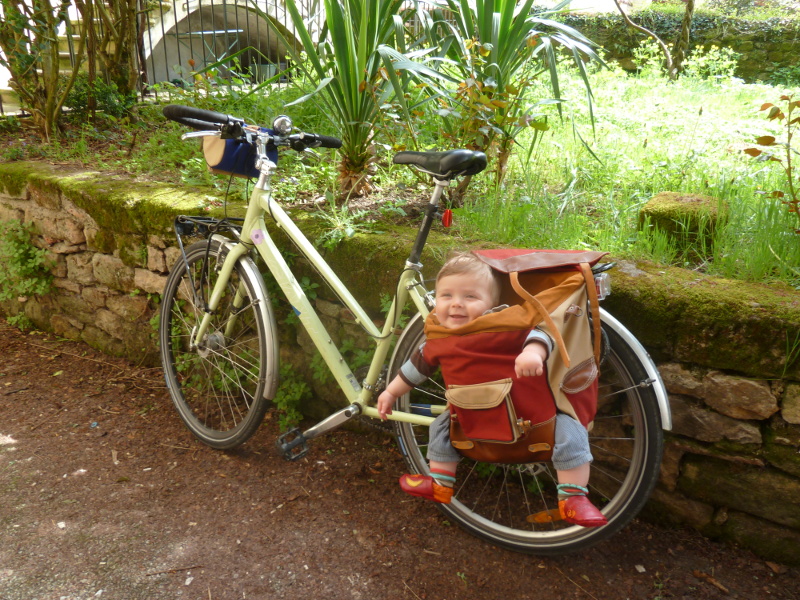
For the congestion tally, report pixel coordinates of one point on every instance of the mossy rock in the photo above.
(766, 539)
(746, 488)
(688, 219)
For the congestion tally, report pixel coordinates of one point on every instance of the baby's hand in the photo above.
(530, 362)
(385, 403)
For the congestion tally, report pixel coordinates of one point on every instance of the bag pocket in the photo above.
(580, 387)
(484, 411)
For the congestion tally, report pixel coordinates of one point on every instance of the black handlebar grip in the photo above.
(326, 141)
(197, 118)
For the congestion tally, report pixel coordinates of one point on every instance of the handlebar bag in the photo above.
(233, 156)
(551, 290)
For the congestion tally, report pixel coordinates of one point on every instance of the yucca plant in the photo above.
(497, 50)
(351, 78)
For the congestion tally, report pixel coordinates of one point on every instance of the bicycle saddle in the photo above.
(444, 165)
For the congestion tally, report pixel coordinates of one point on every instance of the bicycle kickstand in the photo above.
(294, 443)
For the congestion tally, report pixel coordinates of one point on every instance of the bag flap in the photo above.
(480, 395)
(511, 259)
(213, 150)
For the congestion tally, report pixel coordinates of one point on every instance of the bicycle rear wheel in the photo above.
(223, 386)
(495, 501)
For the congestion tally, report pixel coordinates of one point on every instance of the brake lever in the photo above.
(194, 134)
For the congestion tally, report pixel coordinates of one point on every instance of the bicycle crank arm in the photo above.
(294, 444)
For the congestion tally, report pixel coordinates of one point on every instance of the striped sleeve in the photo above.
(537, 335)
(415, 371)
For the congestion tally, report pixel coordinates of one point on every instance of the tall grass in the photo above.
(651, 136)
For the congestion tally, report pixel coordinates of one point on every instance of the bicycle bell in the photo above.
(282, 125)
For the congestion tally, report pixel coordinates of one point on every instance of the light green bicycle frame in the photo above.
(255, 234)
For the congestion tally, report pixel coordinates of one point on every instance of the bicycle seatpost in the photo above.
(427, 220)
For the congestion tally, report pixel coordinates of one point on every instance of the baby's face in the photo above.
(461, 299)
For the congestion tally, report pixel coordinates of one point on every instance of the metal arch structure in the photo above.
(177, 37)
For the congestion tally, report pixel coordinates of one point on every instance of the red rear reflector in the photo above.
(447, 218)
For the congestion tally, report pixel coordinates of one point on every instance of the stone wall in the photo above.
(765, 46)
(731, 467)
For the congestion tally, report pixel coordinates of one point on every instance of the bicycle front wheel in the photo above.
(509, 505)
(222, 386)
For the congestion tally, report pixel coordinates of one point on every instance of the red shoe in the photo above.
(579, 510)
(424, 486)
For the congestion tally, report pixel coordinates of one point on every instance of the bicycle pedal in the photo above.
(292, 444)
(545, 516)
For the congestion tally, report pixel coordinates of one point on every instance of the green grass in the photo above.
(650, 135)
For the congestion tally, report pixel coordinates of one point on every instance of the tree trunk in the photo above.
(682, 42)
(29, 40)
(117, 47)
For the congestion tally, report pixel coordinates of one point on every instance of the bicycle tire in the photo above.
(222, 388)
(492, 501)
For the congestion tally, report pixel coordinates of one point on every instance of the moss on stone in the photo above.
(741, 487)
(132, 250)
(369, 264)
(729, 448)
(103, 241)
(14, 176)
(667, 210)
(112, 201)
(785, 458)
(764, 538)
(707, 321)
(689, 220)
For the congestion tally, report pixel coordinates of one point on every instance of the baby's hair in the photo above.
(466, 263)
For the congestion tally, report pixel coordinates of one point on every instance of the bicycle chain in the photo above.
(385, 427)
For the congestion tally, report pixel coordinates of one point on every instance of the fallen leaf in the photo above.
(711, 580)
(776, 568)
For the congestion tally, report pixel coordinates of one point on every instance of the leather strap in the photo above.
(525, 295)
(594, 307)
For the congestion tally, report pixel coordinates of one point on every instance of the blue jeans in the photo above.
(571, 442)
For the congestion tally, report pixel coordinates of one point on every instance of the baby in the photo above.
(466, 289)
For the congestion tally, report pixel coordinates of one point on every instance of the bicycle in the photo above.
(219, 348)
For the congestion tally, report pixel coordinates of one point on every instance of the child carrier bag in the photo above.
(510, 419)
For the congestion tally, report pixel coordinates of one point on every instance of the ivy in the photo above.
(26, 268)
(667, 24)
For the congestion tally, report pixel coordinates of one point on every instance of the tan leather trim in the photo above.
(479, 395)
(462, 445)
(539, 447)
(213, 150)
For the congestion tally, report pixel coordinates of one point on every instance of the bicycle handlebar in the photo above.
(198, 118)
(313, 140)
(234, 127)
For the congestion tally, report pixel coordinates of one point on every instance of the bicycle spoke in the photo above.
(218, 385)
(495, 502)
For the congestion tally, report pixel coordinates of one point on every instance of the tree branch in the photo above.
(664, 50)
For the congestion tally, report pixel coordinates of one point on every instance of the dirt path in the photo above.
(104, 494)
